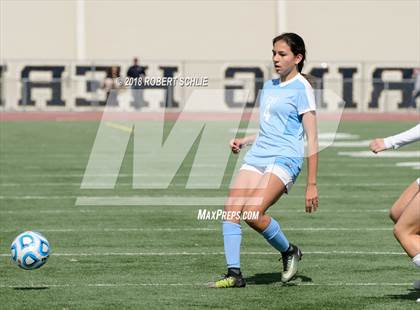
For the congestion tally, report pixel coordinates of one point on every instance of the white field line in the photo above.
(389, 154)
(337, 136)
(4, 176)
(408, 164)
(344, 144)
(34, 162)
(158, 201)
(170, 201)
(35, 157)
(153, 210)
(121, 175)
(105, 285)
(55, 211)
(41, 158)
(327, 253)
(116, 229)
(411, 164)
(351, 162)
(29, 197)
(164, 185)
(135, 229)
(342, 165)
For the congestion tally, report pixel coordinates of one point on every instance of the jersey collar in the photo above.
(289, 81)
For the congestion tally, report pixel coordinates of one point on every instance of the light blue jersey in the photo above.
(281, 135)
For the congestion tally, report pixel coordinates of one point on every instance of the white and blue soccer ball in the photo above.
(30, 250)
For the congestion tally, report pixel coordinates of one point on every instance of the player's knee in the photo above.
(392, 215)
(398, 231)
(251, 215)
(234, 204)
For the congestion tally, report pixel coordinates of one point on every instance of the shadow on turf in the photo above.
(29, 288)
(273, 277)
(412, 295)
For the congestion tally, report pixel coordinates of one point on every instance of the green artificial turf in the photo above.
(161, 256)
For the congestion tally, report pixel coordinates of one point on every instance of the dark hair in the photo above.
(296, 44)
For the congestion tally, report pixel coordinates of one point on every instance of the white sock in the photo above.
(416, 260)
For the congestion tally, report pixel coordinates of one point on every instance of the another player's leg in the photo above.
(270, 190)
(407, 229)
(245, 182)
(403, 201)
(398, 209)
(407, 232)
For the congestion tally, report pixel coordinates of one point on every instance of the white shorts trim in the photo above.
(278, 171)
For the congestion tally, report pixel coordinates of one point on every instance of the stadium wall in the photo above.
(362, 52)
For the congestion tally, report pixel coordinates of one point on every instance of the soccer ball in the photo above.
(30, 250)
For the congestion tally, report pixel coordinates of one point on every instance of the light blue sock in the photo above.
(275, 236)
(232, 235)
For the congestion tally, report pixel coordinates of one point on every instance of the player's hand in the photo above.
(377, 145)
(311, 199)
(236, 145)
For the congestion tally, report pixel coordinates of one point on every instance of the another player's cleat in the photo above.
(416, 284)
(229, 280)
(290, 260)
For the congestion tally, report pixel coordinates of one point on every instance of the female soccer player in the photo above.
(405, 213)
(287, 111)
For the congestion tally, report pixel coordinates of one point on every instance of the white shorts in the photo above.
(418, 181)
(278, 171)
